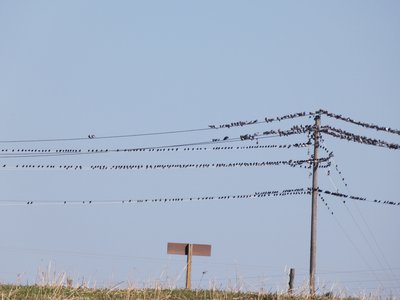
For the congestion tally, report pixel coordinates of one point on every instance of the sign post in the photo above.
(189, 250)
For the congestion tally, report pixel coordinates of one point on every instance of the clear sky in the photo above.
(78, 68)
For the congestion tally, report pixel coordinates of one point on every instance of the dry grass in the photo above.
(62, 292)
(53, 285)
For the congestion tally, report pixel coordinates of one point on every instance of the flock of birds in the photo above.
(362, 124)
(266, 120)
(287, 192)
(11, 151)
(306, 163)
(297, 129)
(324, 162)
(325, 203)
(345, 135)
(345, 196)
(304, 114)
(272, 193)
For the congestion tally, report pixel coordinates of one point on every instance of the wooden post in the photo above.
(189, 266)
(291, 281)
(189, 250)
(314, 199)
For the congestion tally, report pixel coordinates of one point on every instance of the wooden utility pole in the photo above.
(189, 266)
(314, 199)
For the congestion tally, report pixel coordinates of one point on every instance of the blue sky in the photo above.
(74, 68)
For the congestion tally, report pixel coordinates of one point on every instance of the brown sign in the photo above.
(183, 249)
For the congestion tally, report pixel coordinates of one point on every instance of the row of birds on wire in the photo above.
(325, 203)
(305, 163)
(310, 114)
(319, 112)
(327, 151)
(274, 193)
(263, 194)
(297, 129)
(330, 153)
(5, 152)
(345, 135)
(359, 123)
(92, 136)
(345, 196)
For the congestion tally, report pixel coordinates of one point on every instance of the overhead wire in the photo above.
(93, 137)
(373, 273)
(22, 152)
(297, 129)
(339, 173)
(349, 211)
(359, 123)
(345, 135)
(306, 163)
(210, 127)
(255, 195)
(360, 254)
(358, 198)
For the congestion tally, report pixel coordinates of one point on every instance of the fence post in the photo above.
(189, 266)
(291, 281)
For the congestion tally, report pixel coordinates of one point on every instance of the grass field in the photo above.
(61, 292)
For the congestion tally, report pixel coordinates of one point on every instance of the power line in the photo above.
(364, 221)
(220, 126)
(357, 198)
(356, 271)
(210, 127)
(135, 167)
(353, 244)
(355, 247)
(359, 123)
(93, 137)
(272, 193)
(23, 152)
(298, 129)
(326, 204)
(357, 225)
(345, 135)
